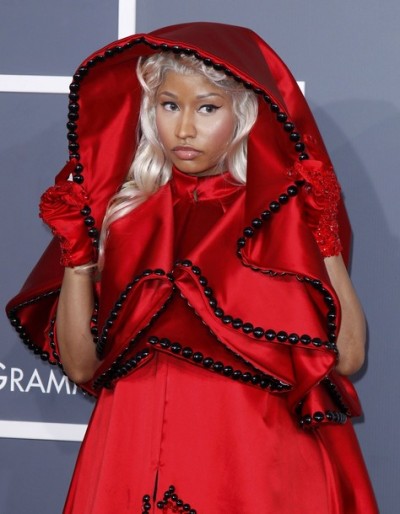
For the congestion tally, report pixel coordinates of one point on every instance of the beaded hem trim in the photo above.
(170, 503)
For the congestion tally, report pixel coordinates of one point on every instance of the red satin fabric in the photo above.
(225, 446)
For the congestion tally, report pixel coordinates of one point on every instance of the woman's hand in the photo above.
(64, 208)
(352, 334)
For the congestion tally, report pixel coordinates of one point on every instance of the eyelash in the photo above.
(210, 107)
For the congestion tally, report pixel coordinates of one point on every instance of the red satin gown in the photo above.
(174, 436)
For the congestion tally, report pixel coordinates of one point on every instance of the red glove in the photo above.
(64, 208)
(321, 204)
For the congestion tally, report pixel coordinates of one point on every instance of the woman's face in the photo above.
(195, 122)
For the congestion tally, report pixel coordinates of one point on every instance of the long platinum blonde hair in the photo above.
(150, 168)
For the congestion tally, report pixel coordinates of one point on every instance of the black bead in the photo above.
(293, 338)
(282, 336)
(257, 223)
(186, 263)
(187, 352)
(248, 232)
(196, 270)
(73, 116)
(241, 242)
(208, 291)
(73, 107)
(247, 328)
(318, 416)
(176, 347)
(176, 49)
(331, 315)
(73, 87)
(316, 341)
(274, 107)
(281, 117)
(218, 312)
(304, 156)
(265, 215)
(89, 221)
(292, 190)
(227, 319)
(203, 281)
(307, 419)
(283, 198)
(305, 339)
(258, 332)
(197, 357)
(93, 232)
(207, 61)
(110, 52)
(274, 206)
(165, 343)
(212, 302)
(218, 366)
(227, 371)
(237, 323)
(294, 136)
(208, 362)
(78, 179)
(288, 126)
(236, 375)
(270, 335)
(246, 376)
(299, 147)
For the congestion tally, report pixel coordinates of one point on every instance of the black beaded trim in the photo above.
(261, 379)
(146, 505)
(336, 395)
(119, 368)
(53, 344)
(251, 231)
(170, 499)
(310, 420)
(247, 327)
(280, 386)
(333, 416)
(102, 340)
(266, 216)
(280, 116)
(20, 329)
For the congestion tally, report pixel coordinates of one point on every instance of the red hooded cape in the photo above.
(267, 274)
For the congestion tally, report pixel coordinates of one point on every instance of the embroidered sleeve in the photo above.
(322, 194)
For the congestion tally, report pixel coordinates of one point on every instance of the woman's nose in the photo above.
(186, 126)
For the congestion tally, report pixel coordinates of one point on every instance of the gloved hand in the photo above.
(64, 208)
(322, 196)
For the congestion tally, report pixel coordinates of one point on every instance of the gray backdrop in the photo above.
(347, 53)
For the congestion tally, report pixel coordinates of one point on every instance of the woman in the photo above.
(219, 362)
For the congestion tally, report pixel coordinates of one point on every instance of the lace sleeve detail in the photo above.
(322, 196)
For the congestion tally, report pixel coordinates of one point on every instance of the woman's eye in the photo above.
(209, 108)
(169, 106)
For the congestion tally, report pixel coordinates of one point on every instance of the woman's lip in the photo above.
(186, 153)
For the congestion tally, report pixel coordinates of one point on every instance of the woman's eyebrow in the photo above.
(199, 97)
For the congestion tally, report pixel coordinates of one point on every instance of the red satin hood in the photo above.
(102, 124)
